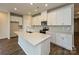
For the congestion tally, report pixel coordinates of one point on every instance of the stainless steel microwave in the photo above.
(44, 23)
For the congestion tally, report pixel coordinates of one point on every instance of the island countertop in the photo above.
(34, 38)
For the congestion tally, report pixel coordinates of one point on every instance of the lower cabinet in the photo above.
(67, 41)
(62, 39)
(58, 39)
(53, 37)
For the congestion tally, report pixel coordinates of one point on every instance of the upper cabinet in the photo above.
(44, 16)
(17, 19)
(60, 16)
(51, 18)
(64, 15)
(20, 20)
(36, 20)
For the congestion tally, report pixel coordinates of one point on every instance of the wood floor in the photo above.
(76, 41)
(11, 47)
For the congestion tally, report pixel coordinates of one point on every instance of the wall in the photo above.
(4, 25)
(27, 22)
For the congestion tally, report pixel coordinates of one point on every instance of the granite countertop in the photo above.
(34, 38)
(59, 32)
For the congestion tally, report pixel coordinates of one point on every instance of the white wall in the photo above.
(4, 25)
(26, 21)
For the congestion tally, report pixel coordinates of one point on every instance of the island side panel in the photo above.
(45, 47)
(41, 49)
(28, 48)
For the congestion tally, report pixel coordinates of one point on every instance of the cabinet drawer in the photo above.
(64, 40)
(58, 39)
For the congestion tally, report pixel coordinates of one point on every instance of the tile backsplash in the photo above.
(55, 28)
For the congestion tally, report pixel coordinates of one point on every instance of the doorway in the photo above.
(76, 27)
(15, 24)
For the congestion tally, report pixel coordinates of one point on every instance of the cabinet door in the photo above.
(64, 16)
(64, 40)
(20, 20)
(67, 42)
(14, 18)
(59, 20)
(44, 16)
(36, 20)
(51, 18)
(17, 19)
(58, 39)
(67, 16)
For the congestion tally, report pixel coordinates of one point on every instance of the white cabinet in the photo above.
(67, 41)
(20, 20)
(53, 37)
(60, 16)
(64, 40)
(51, 18)
(58, 39)
(67, 15)
(36, 20)
(17, 19)
(14, 18)
(44, 16)
(64, 16)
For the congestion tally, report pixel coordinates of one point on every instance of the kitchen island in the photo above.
(34, 43)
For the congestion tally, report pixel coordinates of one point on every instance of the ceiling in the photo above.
(27, 8)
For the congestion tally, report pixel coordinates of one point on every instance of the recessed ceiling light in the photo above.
(35, 9)
(46, 5)
(15, 8)
(31, 3)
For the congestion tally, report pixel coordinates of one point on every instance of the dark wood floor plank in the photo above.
(10, 47)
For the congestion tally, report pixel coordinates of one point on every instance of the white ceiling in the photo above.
(25, 8)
